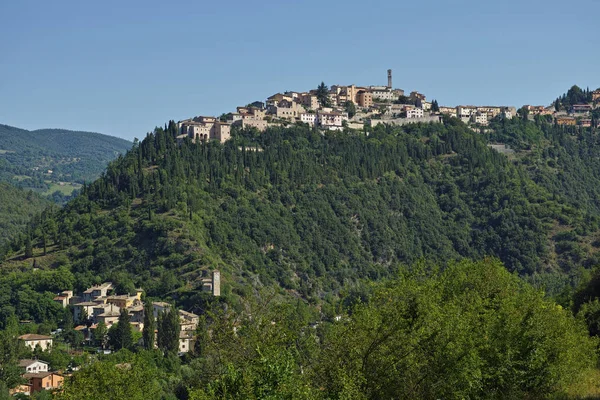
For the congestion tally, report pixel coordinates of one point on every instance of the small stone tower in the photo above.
(389, 78)
(216, 283)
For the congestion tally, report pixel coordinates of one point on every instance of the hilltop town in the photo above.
(358, 107)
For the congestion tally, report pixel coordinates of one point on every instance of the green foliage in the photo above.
(18, 208)
(470, 331)
(323, 95)
(106, 380)
(120, 335)
(168, 331)
(148, 334)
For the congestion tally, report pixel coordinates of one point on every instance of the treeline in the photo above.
(470, 331)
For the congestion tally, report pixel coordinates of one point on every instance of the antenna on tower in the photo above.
(389, 78)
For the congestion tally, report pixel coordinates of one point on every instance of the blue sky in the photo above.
(123, 67)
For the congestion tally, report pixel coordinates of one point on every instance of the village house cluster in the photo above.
(98, 305)
(373, 105)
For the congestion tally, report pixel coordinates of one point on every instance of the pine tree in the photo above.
(149, 327)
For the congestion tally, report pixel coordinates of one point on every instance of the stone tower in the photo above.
(389, 78)
(216, 283)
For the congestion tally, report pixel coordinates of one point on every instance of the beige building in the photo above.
(64, 298)
(186, 342)
(189, 321)
(108, 317)
(123, 301)
(596, 95)
(289, 110)
(364, 99)
(451, 111)
(32, 341)
(97, 291)
(564, 120)
(205, 128)
(309, 101)
(246, 123)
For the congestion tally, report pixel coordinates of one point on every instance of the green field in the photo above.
(67, 188)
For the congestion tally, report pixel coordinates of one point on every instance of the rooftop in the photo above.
(33, 336)
(27, 362)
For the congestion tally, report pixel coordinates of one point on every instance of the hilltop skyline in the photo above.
(123, 69)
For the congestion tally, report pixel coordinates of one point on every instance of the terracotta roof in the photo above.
(33, 336)
(38, 374)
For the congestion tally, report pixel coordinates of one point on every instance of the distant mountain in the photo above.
(51, 160)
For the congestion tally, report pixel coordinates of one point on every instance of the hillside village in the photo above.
(360, 107)
(100, 305)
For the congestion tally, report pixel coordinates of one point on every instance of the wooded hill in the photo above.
(73, 157)
(315, 214)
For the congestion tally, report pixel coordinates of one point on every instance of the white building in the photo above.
(480, 118)
(309, 118)
(415, 113)
(32, 341)
(329, 120)
(33, 366)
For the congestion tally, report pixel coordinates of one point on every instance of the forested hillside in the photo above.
(51, 160)
(17, 208)
(312, 213)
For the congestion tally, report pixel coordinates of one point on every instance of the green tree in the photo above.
(100, 335)
(350, 109)
(120, 335)
(168, 331)
(323, 95)
(148, 333)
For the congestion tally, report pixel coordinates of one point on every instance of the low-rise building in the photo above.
(64, 298)
(83, 310)
(565, 120)
(123, 301)
(309, 118)
(581, 108)
(186, 342)
(32, 340)
(44, 381)
(480, 118)
(451, 111)
(109, 318)
(160, 307)
(97, 291)
(329, 120)
(205, 128)
(33, 366)
(188, 321)
(415, 113)
(596, 95)
(414, 96)
(586, 122)
(247, 123)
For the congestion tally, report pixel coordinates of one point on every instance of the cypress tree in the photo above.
(124, 337)
(149, 327)
(168, 331)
